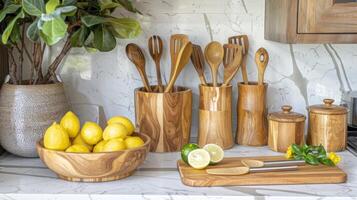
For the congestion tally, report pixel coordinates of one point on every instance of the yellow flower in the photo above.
(334, 158)
(289, 153)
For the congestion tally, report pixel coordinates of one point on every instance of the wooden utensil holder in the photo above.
(164, 117)
(215, 116)
(252, 127)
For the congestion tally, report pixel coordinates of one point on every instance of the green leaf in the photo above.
(51, 6)
(15, 34)
(53, 31)
(12, 8)
(107, 4)
(127, 4)
(67, 10)
(91, 20)
(32, 31)
(8, 30)
(312, 160)
(296, 149)
(327, 161)
(125, 27)
(103, 39)
(321, 150)
(69, 2)
(80, 36)
(34, 7)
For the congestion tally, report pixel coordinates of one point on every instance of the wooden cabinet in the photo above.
(311, 21)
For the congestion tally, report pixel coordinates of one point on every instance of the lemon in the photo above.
(216, 153)
(114, 145)
(71, 124)
(77, 148)
(99, 147)
(115, 130)
(186, 149)
(56, 138)
(199, 158)
(91, 133)
(133, 142)
(123, 120)
(79, 140)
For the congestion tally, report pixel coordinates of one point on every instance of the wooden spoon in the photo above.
(177, 42)
(182, 60)
(198, 62)
(214, 54)
(136, 56)
(156, 49)
(277, 163)
(232, 61)
(235, 171)
(261, 59)
(243, 41)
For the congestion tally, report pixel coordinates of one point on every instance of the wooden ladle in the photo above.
(243, 41)
(232, 61)
(235, 171)
(136, 56)
(277, 163)
(182, 60)
(156, 48)
(214, 54)
(177, 42)
(198, 62)
(261, 59)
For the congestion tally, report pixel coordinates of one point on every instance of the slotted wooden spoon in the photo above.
(198, 62)
(214, 54)
(156, 48)
(243, 41)
(182, 60)
(232, 61)
(177, 42)
(261, 59)
(236, 171)
(137, 57)
(276, 163)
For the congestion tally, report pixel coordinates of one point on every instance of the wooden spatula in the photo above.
(182, 60)
(261, 59)
(177, 42)
(214, 54)
(198, 62)
(243, 41)
(276, 163)
(236, 171)
(232, 61)
(136, 56)
(156, 48)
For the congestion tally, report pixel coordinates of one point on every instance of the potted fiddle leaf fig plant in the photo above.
(28, 105)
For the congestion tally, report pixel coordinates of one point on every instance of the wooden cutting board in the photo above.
(304, 175)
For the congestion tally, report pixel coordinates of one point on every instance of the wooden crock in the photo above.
(26, 111)
(165, 117)
(285, 128)
(252, 126)
(215, 116)
(328, 126)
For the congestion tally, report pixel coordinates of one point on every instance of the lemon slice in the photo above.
(216, 153)
(199, 158)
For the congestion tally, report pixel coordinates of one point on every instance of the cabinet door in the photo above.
(327, 16)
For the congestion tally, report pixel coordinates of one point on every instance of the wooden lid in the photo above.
(286, 115)
(328, 108)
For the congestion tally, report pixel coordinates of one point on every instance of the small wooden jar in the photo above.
(215, 116)
(328, 126)
(164, 117)
(252, 127)
(285, 128)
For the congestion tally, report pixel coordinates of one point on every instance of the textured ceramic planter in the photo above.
(25, 113)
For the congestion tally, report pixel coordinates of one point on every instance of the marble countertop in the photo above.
(158, 178)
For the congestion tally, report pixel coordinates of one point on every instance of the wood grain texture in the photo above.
(328, 130)
(94, 167)
(307, 174)
(215, 116)
(281, 24)
(164, 117)
(252, 128)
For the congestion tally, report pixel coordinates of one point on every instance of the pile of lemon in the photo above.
(67, 136)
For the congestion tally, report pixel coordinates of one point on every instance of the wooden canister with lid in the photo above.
(328, 126)
(285, 128)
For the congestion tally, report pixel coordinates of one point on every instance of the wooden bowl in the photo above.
(94, 167)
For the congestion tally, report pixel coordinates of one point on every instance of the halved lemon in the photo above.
(199, 158)
(216, 153)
